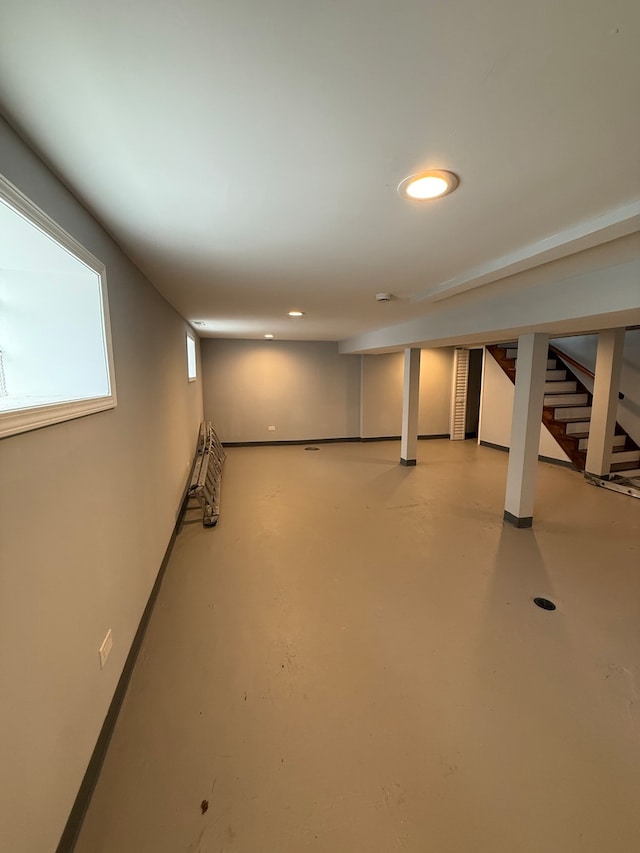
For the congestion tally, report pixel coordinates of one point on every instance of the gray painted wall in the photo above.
(308, 390)
(87, 508)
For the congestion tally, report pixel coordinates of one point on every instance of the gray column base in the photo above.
(514, 521)
(589, 474)
(407, 462)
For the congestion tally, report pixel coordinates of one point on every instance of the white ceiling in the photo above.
(246, 153)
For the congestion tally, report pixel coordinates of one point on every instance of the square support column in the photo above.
(410, 403)
(525, 429)
(605, 402)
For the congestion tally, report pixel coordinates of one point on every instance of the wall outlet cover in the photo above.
(271, 428)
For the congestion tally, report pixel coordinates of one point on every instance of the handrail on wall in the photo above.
(571, 360)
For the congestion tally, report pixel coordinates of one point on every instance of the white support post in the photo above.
(410, 401)
(525, 429)
(605, 402)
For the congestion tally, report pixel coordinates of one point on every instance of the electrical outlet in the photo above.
(271, 428)
(105, 648)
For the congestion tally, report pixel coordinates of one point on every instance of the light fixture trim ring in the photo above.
(450, 179)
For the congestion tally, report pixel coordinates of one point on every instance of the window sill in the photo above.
(24, 420)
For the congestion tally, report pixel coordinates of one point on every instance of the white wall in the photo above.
(436, 374)
(382, 381)
(381, 401)
(306, 389)
(496, 411)
(583, 349)
(87, 508)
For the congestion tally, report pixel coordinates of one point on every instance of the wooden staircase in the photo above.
(567, 411)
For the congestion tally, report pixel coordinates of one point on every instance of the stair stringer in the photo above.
(558, 428)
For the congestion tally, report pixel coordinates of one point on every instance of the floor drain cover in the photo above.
(544, 603)
(312, 448)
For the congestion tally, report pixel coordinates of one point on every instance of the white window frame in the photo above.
(191, 378)
(23, 420)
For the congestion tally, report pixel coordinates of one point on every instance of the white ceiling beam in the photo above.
(589, 301)
(608, 226)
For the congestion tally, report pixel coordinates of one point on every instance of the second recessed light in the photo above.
(296, 313)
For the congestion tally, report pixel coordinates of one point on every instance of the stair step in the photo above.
(551, 363)
(622, 468)
(556, 375)
(572, 413)
(618, 442)
(581, 426)
(566, 400)
(626, 456)
(560, 387)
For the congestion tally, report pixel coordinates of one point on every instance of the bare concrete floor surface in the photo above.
(351, 662)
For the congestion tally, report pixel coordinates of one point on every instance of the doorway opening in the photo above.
(474, 388)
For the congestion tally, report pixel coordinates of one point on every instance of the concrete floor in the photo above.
(351, 662)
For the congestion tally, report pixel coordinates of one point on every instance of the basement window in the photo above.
(55, 345)
(192, 367)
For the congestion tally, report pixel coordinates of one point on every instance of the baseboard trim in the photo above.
(295, 442)
(79, 809)
(398, 437)
(561, 462)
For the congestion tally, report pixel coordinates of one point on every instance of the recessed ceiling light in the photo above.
(296, 313)
(269, 336)
(198, 323)
(428, 185)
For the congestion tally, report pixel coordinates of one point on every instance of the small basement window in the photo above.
(55, 345)
(192, 367)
